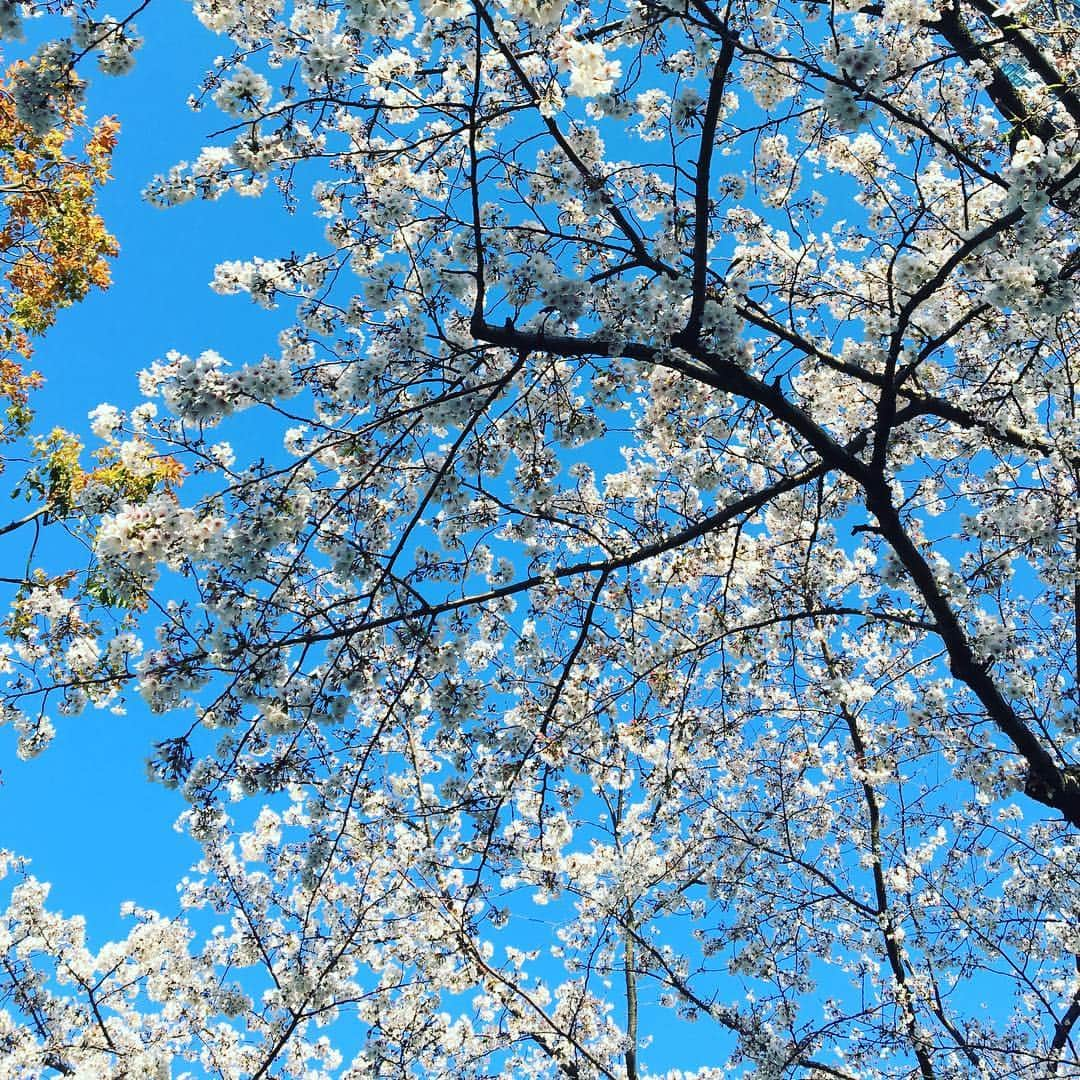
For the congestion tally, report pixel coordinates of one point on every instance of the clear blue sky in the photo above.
(84, 811)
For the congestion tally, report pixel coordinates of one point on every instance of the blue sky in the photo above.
(84, 811)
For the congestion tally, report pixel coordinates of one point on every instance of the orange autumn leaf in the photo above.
(54, 246)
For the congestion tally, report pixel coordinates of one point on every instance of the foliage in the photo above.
(663, 605)
(53, 243)
(128, 474)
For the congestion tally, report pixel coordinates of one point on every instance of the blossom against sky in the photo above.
(84, 812)
(737, 711)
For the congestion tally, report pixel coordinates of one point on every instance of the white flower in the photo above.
(328, 57)
(246, 93)
(104, 420)
(590, 73)
(142, 414)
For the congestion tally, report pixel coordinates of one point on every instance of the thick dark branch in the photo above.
(1046, 782)
(953, 28)
(918, 403)
(1036, 59)
(1063, 1028)
(711, 369)
(474, 178)
(702, 199)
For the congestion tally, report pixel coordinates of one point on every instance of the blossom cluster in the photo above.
(591, 73)
(115, 42)
(135, 540)
(43, 84)
(203, 390)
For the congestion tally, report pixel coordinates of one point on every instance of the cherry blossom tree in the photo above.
(642, 592)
